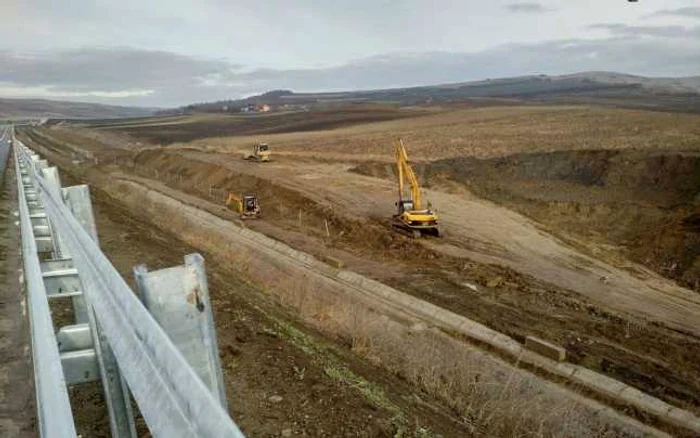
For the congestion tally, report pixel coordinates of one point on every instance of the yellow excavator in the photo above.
(247, 206)
(411, 217)
(261, 153)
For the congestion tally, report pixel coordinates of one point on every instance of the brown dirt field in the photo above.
(483, 133)
(325, 389)
(644, 205)
(182, 129)
(597, 336)
(494, 266)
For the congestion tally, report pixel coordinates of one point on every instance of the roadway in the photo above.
(16, 383)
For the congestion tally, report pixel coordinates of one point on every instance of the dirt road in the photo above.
(485, 232)
(16, 383)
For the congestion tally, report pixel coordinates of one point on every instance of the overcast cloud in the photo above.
(174, 52)
(530, 8)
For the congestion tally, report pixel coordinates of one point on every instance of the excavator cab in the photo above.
(404, 205)
(247, 206)
(250, 204)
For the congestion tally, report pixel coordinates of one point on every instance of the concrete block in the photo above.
(334, 262)
(545, 348)
(683, 418)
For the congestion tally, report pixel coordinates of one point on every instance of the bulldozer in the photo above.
(247, 206)
(261, 153)
(411, 217)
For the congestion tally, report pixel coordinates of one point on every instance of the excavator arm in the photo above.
(405, 171)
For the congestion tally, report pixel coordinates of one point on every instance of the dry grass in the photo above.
(492, 397)
(485, 132)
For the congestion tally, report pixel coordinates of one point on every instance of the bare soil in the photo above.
(325, 390)
(496, 266)
(17, 406)
(644, 204)
(647, 355)
(183, 129)
(596, 334)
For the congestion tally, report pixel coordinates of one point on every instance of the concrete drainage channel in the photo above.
(364, 311)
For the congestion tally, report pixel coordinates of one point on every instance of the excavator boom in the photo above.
(406, 171)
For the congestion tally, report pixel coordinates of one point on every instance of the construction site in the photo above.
(423, 272)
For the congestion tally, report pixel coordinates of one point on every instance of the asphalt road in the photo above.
(16, 382)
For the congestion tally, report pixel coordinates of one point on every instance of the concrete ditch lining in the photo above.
(405, 306)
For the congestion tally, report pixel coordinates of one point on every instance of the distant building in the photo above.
(263, 108)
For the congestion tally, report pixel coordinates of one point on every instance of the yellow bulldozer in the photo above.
(261, 153)
(247, 206)
(411, 218)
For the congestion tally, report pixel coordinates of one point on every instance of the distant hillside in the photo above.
(681, 85)
(601, 88)
(41, 108)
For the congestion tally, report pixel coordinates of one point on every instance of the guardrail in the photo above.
(130, 346)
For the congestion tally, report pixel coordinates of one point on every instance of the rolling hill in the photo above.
(42, 108)
(600, 88)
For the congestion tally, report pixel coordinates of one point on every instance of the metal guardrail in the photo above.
(53, 407)
(171, 395)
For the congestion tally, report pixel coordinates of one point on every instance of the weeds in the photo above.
(336, 371)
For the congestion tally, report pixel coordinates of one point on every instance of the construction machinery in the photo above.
(247, 206)
(411, 217)
(261, 153)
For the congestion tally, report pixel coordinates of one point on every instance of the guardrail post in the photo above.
(80, 311)
(178, 299)
(116, 392)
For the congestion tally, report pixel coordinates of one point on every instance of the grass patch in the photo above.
(326, 356)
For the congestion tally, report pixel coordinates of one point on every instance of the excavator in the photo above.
(411, 217)
(247, 206)
(261, 153)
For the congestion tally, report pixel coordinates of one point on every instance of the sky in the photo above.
(168, 53)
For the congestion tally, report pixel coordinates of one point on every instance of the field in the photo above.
(169, 129)
(575, 224)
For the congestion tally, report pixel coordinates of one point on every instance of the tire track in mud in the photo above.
(375, 295)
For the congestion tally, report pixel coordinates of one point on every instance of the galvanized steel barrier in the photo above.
(174, 374)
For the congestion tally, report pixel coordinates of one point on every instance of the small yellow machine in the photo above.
(411, 217)
(247, 206)
(261, 153)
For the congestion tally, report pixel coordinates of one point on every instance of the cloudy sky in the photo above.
(174, 52)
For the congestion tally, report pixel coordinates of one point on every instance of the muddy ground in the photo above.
(281, 376)
(650, 356)
(17, 407)
(644, 204)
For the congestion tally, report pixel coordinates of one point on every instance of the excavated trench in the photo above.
(521, 306)
(179, 172)
(640, 204)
